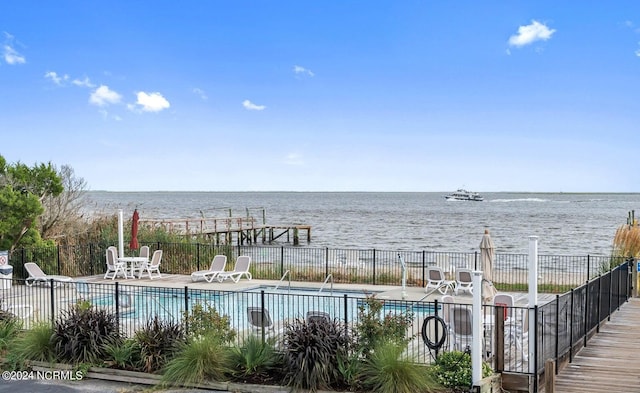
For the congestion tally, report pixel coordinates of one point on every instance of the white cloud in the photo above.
(83, 82)
(200, 93)
(253, 107)
(294, 159)
(301, 70)
(529, 34)
(103, 96)
(55, 78)
(152, 102)
(10, 55)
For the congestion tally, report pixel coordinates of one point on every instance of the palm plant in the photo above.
(34, 344)
(198, 360)
(386, 371)
(255, 360)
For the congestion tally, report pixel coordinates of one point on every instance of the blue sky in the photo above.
(325, 95)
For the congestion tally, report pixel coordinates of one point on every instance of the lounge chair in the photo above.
(464, 281)
(241, 269)
(260, 320)
(217, 266)
(436, 280)
(153, 266)
(36, 275)
(505, 300)
(114, 267)
(318, 316)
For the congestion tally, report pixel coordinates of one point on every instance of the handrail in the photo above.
(155, 299)
(287, 273)
(329, 276)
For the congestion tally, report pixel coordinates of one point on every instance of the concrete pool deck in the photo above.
(383, 292)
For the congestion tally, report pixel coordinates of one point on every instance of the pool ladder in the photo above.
(324, 284)
(286, 274)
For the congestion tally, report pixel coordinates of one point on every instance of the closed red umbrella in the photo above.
(133, 245)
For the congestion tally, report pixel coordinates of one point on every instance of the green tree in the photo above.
(22, 190)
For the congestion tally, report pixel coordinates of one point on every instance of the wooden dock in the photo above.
(230, 230)
(609, 362)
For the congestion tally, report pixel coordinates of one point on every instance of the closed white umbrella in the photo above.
(487, 255)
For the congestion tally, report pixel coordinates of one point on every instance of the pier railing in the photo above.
(557, 273)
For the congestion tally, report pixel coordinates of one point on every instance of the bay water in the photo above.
(565, 223)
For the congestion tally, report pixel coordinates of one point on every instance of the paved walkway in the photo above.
(609, 362)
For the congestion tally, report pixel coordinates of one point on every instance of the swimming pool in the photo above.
(137, 305)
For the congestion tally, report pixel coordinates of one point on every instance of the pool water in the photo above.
(139, 304)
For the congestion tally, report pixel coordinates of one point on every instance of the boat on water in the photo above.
(464, 195)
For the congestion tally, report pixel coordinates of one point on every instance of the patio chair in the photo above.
(217, 266)
(505, 300)
(144, 252)
(114, 267)
(241, 269)
(461, 327)
(260, 320)
(36, 275)
(153, 266)
(464, 281)
(437, 280)
(447, 303)
(318, 316)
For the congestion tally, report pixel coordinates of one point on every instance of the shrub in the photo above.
(374, 328)
(10, 326)
(83, 332)
(124, 355)
(207, 321)
(453, 370)
(33, 344)
(385, 371)
(158, 341)
(311, 353)
(256, 361)
(198, 360)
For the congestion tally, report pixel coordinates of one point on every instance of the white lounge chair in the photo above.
(36, 275)
(217, 266)
(259, 320)
(318, 316)
(153, 266)
(241, 269)
(464, 281)
(436, 280)
(114, 267)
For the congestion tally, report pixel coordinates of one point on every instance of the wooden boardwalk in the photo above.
(609, 362)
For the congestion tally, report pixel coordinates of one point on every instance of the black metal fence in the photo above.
(560, 327)
(368, 266)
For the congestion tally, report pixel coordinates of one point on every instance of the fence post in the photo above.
(571, 330)
(326, 261)
(586, 313)
(424, 260)
(262, 316)
(599, 302)
(53, 302)
(346, 313)
(281, 262)
(557, 349)
(186, 309)
(374, 266)
(198, 256)
(117, 292)
(588, 266)
(535, 349)
(58, 259)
